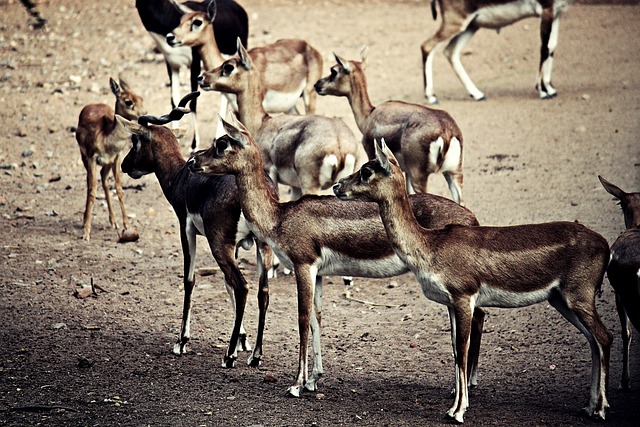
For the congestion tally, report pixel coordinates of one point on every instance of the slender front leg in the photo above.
(461, 317)
(92, 186)
(188, 240)
(316, 332)
(265, 259)
(118, 178)
(104, 176)
(304, 280)
(453, 51)
(625, 332)
(549, 32)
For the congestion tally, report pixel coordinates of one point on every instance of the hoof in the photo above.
(482, 98)
(254, 362)
(432, 100)
(293, 391)
(229, 362)
(454, 418)
(179, 348)
(599, 414)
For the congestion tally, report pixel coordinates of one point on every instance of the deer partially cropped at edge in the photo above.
(624, 270)
(320, 235)
(462, 18)
(308, 153)
(424, 140)
(100, 144)
(289, 67)
(206, 206)
(469, 267)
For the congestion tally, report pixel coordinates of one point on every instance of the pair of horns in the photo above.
(175, 114)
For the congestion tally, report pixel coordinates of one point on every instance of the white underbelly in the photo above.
(494, 297)
(282, 102)
(336, 263)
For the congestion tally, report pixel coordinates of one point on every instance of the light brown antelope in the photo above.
(462, 18)
(308, 153)
(206, 206)
(624, 270)
(424, 140)
(319, 235)
(100, 145)
(289, 67)
(468, 267)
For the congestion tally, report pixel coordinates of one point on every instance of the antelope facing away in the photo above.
(424, 140)
(462, 18)
(204, 205)
(100, 144)
(308, 153)
(320, 235)
(469, 267)
(159, 17)
(289, 67)
(624, 270)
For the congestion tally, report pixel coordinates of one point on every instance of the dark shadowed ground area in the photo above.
(106, 360)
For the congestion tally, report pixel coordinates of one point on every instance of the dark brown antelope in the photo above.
(462, 18)
(624, 270)
(206, 206)
(424, 140)
(100, 145)
(318, 235)
(468, 267)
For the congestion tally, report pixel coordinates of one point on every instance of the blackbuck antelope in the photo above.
(308, 153)
(462, 18)
(101, 142)
(289, 67)
(319, 235)
(159, 17)
(624, 270)
(206, 206)
(469, 267)
(424, 140)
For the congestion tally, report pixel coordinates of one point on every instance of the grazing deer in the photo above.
(206, 206)
(289, 67)
(159, 17)
(624, 270)
(308, 153)
(100, 145)
(424, 140)
(468, 267)
(462, 18)
(319, 235)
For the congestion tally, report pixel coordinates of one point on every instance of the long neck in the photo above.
(260, 208)
(403, 230)
(209, 52)
(250, 110)
(169, 165)
(359, 100)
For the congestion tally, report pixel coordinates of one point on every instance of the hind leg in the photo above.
(626, 342)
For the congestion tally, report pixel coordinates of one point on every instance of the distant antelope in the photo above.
(308, 153)
(289, 67)
(206, 206)
(100, 145)
(320, 235)
(469, 267)
(624, 270)
(424, 140)
(462, 18)
(159, 17)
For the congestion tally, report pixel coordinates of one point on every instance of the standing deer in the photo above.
(100, 144)
(290, 67)
(206, 206)
(468, 267)
(159, 17)
(462, 18)
(319, 235)
(308, 153)
(624, 270)
(424, 140)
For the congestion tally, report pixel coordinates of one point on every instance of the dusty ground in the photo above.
(525, 161)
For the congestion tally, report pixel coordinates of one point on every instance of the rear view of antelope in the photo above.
(308, 153)
(468, 267)
(289, 67)
(624, 270)
(424, 140)
(462, 18)
(100, 145)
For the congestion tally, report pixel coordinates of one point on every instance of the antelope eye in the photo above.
(334, 74)
(197, 23)
(227, 68)
(128, 103)
(365, 174)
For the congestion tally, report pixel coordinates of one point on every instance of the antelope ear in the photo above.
(363, 56)
(245, 59)
(183, 9)
(123, 124)
(115, 88)
(123, 84)
(343, 63)
(612, 189)
(235, 130)
(382, 155)
(212, 11)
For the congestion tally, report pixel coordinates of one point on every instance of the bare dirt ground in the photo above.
(107, 359)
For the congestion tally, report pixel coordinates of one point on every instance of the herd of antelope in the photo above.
(229, 191)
